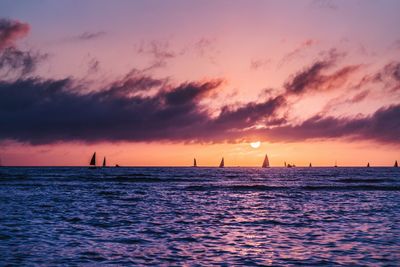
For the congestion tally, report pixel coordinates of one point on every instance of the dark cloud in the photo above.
(46, 111)
(10, 31)
(313, 78)
(14, 62)
(382, 126)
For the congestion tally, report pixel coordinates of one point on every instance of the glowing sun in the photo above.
(255, 144)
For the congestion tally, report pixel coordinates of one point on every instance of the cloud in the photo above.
(313, 78)
(297, 51)
(85, 36)
(256, 64)
(46, 111)
(18, 63)
(41, 111)
(10, 31)
(382, 126)
(140, 107)
(15, 62)
(159, 51)
(93, 66)
(388, 76)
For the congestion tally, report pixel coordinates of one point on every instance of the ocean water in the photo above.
(200, 216)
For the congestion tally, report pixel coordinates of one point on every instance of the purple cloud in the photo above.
(313, 78)
(10, 31)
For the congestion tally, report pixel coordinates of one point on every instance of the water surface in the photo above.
(200, 216)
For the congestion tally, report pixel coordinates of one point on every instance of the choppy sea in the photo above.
(200, 216)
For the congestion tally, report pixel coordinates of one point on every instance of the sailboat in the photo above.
(93, 162)
(194, 162)
(285, 164)
(222, 164)
(368, 165)
(104, 162)
(335, 164)
(310, 165)
(396, 165)
(265, 162)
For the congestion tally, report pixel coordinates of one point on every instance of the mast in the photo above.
(194, 162)
(266, 162)
(104, 162)
(222, 164)
(93, 160)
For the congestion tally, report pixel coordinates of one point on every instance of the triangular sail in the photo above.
(222, 164)
(93, 160)
(368, 165)
(194, 162)
(104, 162)
(265, 162)
(396, 165)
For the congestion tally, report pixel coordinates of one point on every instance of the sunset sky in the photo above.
(157, 83)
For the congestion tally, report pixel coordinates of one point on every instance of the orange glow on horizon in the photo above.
(323, 153)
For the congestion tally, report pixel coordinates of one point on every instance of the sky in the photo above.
(158, 83)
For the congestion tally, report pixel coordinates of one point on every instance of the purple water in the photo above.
(200, 216)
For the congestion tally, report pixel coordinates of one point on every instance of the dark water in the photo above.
(203, 216)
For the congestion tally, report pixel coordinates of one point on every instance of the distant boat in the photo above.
(310, 165)
(396, 165)
(335, 164)
(222, 164)
(104, 162)
(194, 162)
(368, 165)
(265, 162)
(285, 164)
(93, 162)
(116, 166)
(290, 165)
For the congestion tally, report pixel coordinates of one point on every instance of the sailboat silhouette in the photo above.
(265, 162)
(396, 165)
(222, 164)
(93, 162)
(310, 165)
(368, 165)
(104, 162)
(194, 162)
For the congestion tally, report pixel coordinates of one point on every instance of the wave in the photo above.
(370, 181)
(286, 188)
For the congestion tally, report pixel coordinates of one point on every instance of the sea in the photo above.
(169, 216)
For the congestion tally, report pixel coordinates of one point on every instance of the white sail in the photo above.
(266, 162)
